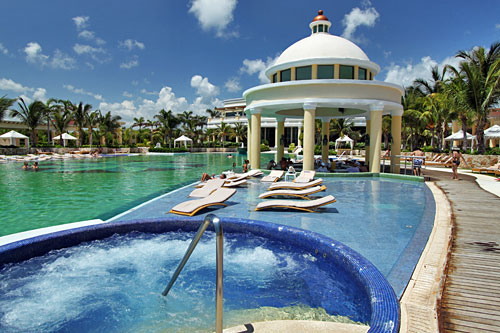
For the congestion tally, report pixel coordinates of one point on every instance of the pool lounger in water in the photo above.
(274, 176)
(307, 206)
(207, 189)
(234, 183)
(191, 207)
(295, 186)
(251, 173)
(305, 176)
(303, 194)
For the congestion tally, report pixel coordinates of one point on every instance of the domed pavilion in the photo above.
(324, 76)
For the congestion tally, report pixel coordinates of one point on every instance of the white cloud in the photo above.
(251, 67)
(34, 53)
(10, 85)
(40, 94)
(358, 17)
(405, 74)
(233, 84)
(147, 108)
(86, 34)
(3, 50)
(497, 26)
(59, 60)
(130, 64)
(18, 88)
(127, 94)
(204, 89)
(63, 61)
(387, 54)
(135, 83)
(81, 22)
(130, 44)
(215, 14)
(87, 49)
(96, 53)
(145, 92)
(81, 91)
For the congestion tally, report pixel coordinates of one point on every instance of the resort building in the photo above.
(323, 76)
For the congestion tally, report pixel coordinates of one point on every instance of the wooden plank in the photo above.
(473, 306)
(486, 321)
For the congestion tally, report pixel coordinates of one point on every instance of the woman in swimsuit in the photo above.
(455, 162)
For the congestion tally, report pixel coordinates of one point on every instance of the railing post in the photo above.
(210, 218)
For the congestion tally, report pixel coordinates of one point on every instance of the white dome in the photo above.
(322, 45)
(322, 48)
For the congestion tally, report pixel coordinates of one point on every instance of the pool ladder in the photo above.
(210, 218)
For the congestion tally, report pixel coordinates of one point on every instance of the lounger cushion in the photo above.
(293, 185)
(192, 206)
(296, 204)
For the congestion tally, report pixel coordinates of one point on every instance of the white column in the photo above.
(375, 136)
(256, 140)
(280, 131)
(249, 134)
(309, 126)
(325, 130)
(299, 142)
(396, 141)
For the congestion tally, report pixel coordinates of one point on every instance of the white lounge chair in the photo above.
(303, 194)
(191, 207)
(307, 206)
(305, 176)
(251, 173)
(274, 176)
(209, 187)
(234, 183)
(293, 185)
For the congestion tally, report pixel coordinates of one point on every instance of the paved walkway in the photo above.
(472, 287)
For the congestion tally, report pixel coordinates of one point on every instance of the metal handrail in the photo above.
(210, 218)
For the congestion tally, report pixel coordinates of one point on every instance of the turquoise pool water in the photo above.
(76, 190)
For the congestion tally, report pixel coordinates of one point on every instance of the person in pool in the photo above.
(26, 166)
(35, 166)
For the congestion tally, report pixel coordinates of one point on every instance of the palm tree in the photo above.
(480, 72)
(213, 113)
(5, 104)
(61, 122)
(138, 122)
(185, 117)
(222, 131)
(80, 116)
(30, 115)
(168, 121)
(92, 122)
(433, 86)
(51, 107)
(239, 132)
(109, 124)
(151, 124)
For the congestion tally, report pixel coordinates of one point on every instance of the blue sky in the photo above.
(136, 57)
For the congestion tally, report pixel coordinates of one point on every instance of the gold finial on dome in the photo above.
(320, 16)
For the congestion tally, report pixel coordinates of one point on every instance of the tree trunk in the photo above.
(464, 129)
(480, 134)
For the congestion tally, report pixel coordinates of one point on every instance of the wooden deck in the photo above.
(471, 296)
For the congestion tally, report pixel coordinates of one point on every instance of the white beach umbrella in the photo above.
(12, 135)
(64, 137)
(345, 138)
(492, 132)
(459, 136)
(184, 139)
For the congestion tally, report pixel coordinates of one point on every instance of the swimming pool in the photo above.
(76, 190)
(114, 282)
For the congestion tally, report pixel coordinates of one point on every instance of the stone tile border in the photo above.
(420, 300)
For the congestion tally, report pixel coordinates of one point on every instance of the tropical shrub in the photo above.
(264, 147)
(291, 147)
(168, 150)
